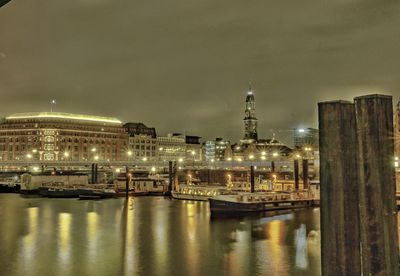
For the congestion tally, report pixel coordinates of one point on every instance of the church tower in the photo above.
(250, 120)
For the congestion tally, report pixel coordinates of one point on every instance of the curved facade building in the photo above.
(55, 136)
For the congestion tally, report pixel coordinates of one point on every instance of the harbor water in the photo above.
(151, 236)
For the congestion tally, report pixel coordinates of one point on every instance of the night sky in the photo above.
(184, 66)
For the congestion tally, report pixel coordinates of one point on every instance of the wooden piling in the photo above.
(296, 174)
(340, 241)
(378, 211)
(170, 176)
(252, 189)
(305, 173)
(127, 180)
(93, 174)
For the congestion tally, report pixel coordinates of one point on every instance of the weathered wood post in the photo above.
(127, 180)
(170, 177)
(93, 174)
(252, 179)
(340, 242)
(296, 174)
(305, 173)
(378, 210)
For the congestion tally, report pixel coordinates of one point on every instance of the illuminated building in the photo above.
(250, 120)
(142, 142)
(193, 148)
(216, 149)
(251, 148)
(171, 147)
(61, 136)
(306, 137)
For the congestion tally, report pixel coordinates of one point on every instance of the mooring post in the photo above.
(273, 166)
(170, 176)
(127, 180)
(305, 173)
(93, 172)
(378, 210)
(340, 241)
(296, 174)
(252, 179)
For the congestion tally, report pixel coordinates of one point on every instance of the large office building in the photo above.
(193, 148)
(55, 136)
(171, 147)
(216, 149)
(142, 142)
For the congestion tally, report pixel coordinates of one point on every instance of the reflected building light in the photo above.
(64, 239)
(301, 260)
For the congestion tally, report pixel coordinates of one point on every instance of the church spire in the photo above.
(250, 120)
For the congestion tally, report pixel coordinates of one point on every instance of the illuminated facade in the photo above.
(306, 137)
(216, 149)
(55, 136)
(171, 147)
(193, 148)
(142, 142)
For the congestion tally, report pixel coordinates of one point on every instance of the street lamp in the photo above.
(96, 157)
(275, 154)
(29, 156)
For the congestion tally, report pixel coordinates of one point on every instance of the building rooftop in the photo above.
(60, 115)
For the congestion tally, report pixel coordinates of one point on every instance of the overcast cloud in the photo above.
(184, 66)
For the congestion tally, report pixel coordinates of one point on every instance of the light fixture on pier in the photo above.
(275, 154)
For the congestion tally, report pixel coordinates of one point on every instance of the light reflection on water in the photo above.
(151, 236)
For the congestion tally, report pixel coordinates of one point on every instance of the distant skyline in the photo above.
(185, 66)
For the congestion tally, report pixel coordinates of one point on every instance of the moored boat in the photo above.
(97, 191)
(198, 192)
(9, 185)
(259, 202)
